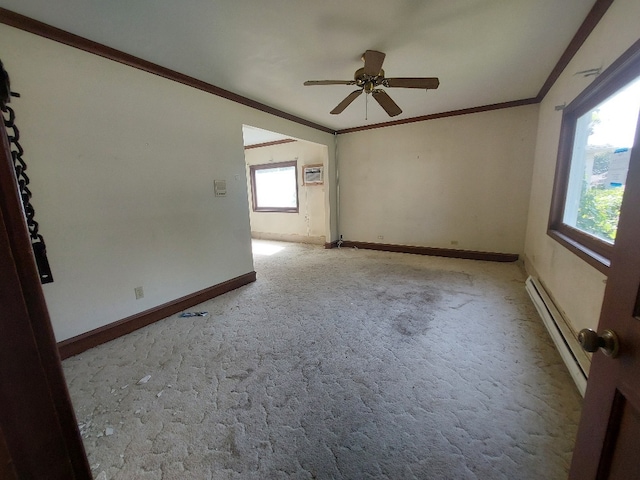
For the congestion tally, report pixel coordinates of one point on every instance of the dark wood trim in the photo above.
(597, 261)
(38, 28)
(254, 197)
(434, 116)
(270, 144)
(52, 33)
(436, 252)
(98, 336)
(330, 245)
(593, 18)
(37, 419)
(622, 71)
(591, 249)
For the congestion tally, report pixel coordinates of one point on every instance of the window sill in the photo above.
(276, 210)
(593, 258)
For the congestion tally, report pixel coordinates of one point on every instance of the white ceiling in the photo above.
(257, 136)
(483, 51)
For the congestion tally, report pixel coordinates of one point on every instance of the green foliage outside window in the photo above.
(599, 211)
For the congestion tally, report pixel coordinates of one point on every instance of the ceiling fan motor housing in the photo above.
(368, 82)
(371, 76)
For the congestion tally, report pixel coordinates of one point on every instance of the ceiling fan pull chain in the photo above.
(366, 107)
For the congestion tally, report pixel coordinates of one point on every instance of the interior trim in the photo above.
(593, 18)
(621, 72)
(52, 33)
(38, 425)
(270, 144)
(42, 29)
(436, 252)
(98, 336)
(599, 262)
(434, 116)
(271, 166)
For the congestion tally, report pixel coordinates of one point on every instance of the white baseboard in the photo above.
(574, 357)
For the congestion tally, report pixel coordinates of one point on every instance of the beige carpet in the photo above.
(336, 364)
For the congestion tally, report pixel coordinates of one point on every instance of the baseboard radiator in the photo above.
(576, 359)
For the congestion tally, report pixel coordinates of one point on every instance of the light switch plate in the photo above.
(220, 188)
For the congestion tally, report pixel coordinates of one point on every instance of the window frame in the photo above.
(593, 250)
(268, 166)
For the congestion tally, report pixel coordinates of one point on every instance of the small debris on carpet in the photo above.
(193, 314)
(144, 379)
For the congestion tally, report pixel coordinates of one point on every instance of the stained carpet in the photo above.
(336, 364)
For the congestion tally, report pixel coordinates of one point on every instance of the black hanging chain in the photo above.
(13, 134)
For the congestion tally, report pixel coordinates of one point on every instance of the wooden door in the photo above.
(7, 471)
(608, 442)
(39, 437)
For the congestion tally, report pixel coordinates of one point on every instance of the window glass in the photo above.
(275, 187)
(601, 151)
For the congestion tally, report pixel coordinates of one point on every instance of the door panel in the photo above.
(7, 472)
(620, 449)
(37, 421)
(609, 431)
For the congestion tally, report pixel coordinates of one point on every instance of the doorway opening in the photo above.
(287, 189)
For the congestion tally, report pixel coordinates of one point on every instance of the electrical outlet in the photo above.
(380, 237)
(139, 292)
(454, 242)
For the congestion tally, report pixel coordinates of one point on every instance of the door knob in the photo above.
(608, 342)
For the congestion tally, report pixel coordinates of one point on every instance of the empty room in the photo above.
(332, 240)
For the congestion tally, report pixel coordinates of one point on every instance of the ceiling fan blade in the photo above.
(329, 82)
(346, 102)
(386, 102)
(373, 62)
(427, 83)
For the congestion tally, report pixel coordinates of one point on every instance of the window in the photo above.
(598, 132)
(274, 187)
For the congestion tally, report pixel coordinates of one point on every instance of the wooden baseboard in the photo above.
(437, 252)
(98, 336)
(331, 244)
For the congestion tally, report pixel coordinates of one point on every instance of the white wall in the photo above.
(576, 287)
(461, 179)
(122, 165)
(308, 225)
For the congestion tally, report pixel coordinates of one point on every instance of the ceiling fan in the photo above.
(370, 77)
